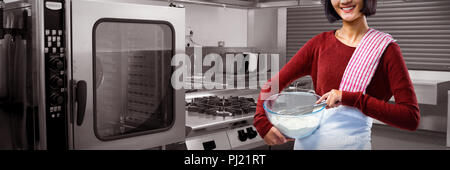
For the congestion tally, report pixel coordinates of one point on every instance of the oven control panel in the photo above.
(55, 74)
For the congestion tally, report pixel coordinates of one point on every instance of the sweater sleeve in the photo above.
(298, 66)
(404, 113)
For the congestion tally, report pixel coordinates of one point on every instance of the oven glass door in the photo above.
(123, 61)
(132, 94)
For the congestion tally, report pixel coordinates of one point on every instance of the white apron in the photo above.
(345, 127)
(341, 128)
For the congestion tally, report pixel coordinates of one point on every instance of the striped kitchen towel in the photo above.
(364, 61)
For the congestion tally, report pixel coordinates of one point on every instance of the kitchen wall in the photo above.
(267, 31)
(237, 27)
(262, 29)
(212, 24)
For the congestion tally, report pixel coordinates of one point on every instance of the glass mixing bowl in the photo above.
(294, 114)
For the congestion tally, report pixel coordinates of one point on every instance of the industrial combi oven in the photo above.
(90, 74)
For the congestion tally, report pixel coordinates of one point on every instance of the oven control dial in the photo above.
(56, 99)
(242, 135)
(251, 133)
(56, 81)
(56, 63)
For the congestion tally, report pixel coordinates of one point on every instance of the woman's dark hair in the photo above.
(369, 8)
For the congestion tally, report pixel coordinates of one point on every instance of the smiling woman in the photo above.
(356, 69)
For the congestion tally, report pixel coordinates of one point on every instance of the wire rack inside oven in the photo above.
(132, 90)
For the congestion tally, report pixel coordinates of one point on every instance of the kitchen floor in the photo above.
(389, 138)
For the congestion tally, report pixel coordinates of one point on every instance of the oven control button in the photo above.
(242, 135)
(56, 81)
(47, 32)
(56, 63)
(211, 145)
(56, 99)
(251, 133)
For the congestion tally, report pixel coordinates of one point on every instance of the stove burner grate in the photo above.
(217, 106)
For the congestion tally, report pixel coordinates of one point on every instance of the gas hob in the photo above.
(215, 109)
(222, 120)
(221, 106)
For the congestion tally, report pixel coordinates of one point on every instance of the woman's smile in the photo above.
(348, 10)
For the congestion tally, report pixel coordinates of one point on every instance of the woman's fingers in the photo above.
(324, 97)
(331, 100)
(274, 137)
(270, 138)
(334, 99)
(280, 137)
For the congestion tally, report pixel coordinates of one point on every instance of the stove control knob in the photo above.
(56, 99)
(56, 63)
(56, 81)
(242, 135)
(251, 133)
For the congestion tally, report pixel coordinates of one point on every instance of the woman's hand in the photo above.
(274, 137)
(334, 98)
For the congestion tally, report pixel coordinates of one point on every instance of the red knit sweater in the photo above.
(325, 58)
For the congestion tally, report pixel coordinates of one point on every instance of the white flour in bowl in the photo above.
(294, 114)
(293, 126)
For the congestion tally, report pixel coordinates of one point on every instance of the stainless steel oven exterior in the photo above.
(85, 15)
(62, 65)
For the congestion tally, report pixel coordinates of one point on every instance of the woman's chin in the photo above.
(349, 18)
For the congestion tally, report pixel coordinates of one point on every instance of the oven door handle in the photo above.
(81, 97)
